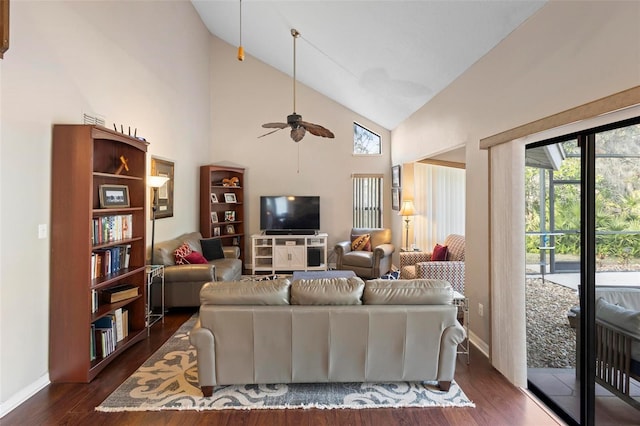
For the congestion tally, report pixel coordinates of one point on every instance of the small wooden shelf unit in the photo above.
(84, 157)
(212, 181)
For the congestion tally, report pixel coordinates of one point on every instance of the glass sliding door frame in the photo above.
(586, 368)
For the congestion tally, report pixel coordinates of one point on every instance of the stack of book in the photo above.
(110, 260)
(119, 292)
(107, 229)
(107, 331)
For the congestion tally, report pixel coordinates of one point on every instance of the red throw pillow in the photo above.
(439, 253)
(181, 252)
(194, 257)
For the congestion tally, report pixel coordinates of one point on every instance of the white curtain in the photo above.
(439, 202)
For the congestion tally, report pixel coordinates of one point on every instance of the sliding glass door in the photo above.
(583, 243)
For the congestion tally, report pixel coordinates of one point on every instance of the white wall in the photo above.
(247, 94)
(124, 60)
(565, 55)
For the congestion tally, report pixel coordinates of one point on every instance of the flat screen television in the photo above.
(288, 214)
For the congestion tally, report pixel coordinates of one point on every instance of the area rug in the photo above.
(168, 380)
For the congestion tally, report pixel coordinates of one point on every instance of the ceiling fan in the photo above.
(298, 127)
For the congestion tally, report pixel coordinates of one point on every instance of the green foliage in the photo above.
(617, 198)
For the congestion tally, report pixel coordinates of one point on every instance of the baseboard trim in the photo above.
(22, 395)
(479, 343)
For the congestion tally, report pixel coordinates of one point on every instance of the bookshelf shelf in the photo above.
(84, 157)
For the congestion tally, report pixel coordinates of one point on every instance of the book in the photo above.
(119, 325)
(118, 293)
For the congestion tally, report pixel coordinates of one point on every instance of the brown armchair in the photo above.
(366, 264)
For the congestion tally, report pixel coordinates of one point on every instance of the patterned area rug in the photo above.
(168, 380)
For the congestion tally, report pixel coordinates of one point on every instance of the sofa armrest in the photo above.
(340, 249)
(203, 340)
(383, 250)
(231, 252)
(410, 258)
(190, 273)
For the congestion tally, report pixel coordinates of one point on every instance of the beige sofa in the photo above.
(326, 330)
(183, 282)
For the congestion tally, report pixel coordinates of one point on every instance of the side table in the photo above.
(462, 303)
(153, 272)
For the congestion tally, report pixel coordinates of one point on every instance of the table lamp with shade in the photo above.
(155, 182)
(407, 210)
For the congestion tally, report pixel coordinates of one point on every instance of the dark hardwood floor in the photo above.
(497, 401)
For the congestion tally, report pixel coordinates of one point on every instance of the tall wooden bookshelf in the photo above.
(85, 157)
(218, 196)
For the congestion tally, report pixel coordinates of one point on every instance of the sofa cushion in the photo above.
(274, 292)
(407, 292)
(439, 253)
(361, 242)
(362, 259)
(195, 258)
(621, 317)
(327, 291)
(212, 248)
(181, 253)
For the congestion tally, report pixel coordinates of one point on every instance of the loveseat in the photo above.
(183, 282)
(326, 330)
(419, 264)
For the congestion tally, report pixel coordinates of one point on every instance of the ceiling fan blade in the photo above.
(275, 125)
(316, 129)
(268, 133)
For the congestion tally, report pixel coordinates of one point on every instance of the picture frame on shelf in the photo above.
(230, 197)
(216, 231)
(395, 176)
(395, 199)
(230, 216)
(230, 229)
(114, 196)
(166, 168)
(214, 198)
(214, 217)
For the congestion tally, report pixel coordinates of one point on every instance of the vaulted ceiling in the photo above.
(382, 59)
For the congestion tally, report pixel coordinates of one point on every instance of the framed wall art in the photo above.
(395, 176)
(164, 168)
(395, 199)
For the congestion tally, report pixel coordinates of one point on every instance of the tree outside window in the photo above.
(365, 142)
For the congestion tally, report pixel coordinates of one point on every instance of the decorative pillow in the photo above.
(439, 253)
(194, 258)
(181, 252)
(212, 248)
(361, 242)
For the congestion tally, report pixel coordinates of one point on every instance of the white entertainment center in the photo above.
(280, 253)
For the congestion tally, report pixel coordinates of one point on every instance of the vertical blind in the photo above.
(367, 201)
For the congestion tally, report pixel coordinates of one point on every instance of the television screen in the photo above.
(287, 212)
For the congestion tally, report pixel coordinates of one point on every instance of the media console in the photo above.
(290, 252)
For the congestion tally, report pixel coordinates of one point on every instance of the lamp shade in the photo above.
(156, 181)
(407, 208)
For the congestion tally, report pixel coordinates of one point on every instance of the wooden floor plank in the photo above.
(497, 401)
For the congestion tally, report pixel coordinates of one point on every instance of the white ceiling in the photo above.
(381, 59)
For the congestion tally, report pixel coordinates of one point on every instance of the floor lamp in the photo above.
(155, 182)
(407, 211)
